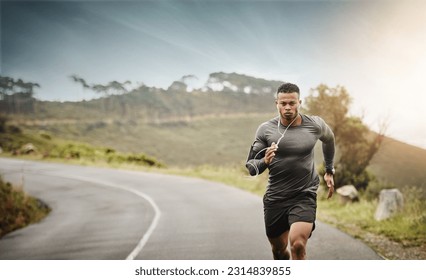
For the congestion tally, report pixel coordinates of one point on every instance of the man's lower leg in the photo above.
(281, 254)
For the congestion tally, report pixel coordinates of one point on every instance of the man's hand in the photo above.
(270, 153)
(328, 178)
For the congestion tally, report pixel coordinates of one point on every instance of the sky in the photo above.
(375, 49)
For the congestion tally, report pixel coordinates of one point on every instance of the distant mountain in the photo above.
(222, 93)
(240, 83)
(227, 82)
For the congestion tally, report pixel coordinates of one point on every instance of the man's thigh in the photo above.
(301, 231)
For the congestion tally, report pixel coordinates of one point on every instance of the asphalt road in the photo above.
(102, 214)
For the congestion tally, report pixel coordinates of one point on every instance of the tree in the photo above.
(16, 96)
(79, 80)
(6, 86)
(115, 87)
(111, 88)
(356, 143)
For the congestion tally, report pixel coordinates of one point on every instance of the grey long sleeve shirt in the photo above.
(292, 170)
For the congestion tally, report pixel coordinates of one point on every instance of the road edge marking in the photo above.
(151, 201)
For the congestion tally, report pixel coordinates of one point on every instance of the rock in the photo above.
(28, 149)
(390, 202)
(348, 193)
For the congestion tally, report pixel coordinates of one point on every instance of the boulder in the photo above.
(28, 149)
(347, 194)
(390, 202)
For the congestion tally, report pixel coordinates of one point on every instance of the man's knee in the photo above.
(279, 247)
(299, 234)
(298, 249)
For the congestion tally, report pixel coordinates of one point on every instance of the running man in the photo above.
(285, 145)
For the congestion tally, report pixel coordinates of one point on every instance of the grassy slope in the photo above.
(224, 141)
(400, 164)
(44, 146)
(216, 141)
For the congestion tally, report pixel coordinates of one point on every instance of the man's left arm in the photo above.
(328, 149)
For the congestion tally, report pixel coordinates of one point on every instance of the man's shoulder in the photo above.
(319, 123)
(273, 121)
(314, 119)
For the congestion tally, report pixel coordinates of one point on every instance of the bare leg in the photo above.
(299, 235)
(279, 247)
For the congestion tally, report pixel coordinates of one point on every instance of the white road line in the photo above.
(151, 228)
(153, 224)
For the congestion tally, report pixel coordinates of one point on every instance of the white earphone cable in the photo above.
(279, 140)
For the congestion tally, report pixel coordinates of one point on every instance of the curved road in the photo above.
(100, 213)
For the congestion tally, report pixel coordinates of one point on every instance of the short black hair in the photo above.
(288, 88)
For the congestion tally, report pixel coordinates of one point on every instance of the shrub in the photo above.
(18, 209)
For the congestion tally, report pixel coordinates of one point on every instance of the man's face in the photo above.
(288, 105)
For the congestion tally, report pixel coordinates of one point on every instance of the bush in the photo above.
(18, 209)
(14, 129)
(45, 135)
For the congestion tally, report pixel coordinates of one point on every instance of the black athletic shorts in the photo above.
(301, 208)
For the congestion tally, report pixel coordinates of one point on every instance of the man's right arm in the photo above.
(256, 158)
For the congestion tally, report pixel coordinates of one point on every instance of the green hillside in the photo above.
(213, 125)
(221, 141)
(42, 145)
(400, 164)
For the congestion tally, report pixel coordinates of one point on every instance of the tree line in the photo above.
(16, 96)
